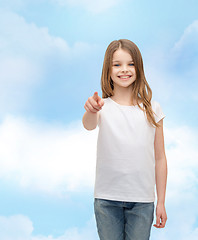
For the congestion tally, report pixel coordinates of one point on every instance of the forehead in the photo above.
(121, 55)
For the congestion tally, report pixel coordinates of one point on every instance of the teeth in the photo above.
(125, 77)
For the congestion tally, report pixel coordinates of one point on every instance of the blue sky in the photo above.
(51, 56)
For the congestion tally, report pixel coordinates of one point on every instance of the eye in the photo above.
(116, 65)
(131, 64)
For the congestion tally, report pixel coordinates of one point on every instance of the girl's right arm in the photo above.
(90, 120)
(93, 105)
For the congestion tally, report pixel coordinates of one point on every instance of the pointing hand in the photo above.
(94, 103)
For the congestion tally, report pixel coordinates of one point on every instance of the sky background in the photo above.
(51, 56)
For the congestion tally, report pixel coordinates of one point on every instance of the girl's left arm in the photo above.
(160, 176)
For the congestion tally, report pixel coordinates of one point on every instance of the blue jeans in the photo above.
(118, 220)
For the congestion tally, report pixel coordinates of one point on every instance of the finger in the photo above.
(88, 110)
(95, 96)
(101, 102)
(163, 222)
(155, 225)
(160, 226)
(94, 103)
(92, 107)
(158, 220)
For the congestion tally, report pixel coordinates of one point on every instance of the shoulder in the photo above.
(105, 100)
(155, 104)
(157, 109)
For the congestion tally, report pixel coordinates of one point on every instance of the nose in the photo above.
(124, 68)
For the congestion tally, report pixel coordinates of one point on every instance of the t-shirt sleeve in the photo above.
(159, 114)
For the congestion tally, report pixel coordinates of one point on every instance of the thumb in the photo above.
(157, 220)
(101, 102)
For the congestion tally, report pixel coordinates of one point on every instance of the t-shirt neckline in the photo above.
(125, 106)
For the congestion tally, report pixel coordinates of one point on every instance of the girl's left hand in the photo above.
(160, 214)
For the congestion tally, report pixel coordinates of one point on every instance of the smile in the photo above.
(125, 76)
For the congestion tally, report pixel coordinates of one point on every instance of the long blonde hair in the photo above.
(138, 86)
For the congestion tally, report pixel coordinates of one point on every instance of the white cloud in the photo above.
(27, 37)
(184, 52)
(24, 51)
(93, 6)
(16, 227)
(174, 71)
(25, 40)
(182, 182)
(19, 227)
(53, 159)
(27, 52)
(189, 37)
(182, 155)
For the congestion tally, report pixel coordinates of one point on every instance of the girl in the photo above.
(130, 148)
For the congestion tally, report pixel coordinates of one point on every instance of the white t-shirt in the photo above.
(125, 166)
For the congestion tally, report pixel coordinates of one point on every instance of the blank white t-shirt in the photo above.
(125, 164)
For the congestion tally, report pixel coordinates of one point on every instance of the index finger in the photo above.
(95, 96)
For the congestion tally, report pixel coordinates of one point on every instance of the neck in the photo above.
(124, 96)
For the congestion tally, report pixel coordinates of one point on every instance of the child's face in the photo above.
(123, 70)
